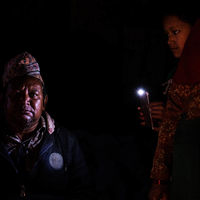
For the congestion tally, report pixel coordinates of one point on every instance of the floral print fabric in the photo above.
(181, 99)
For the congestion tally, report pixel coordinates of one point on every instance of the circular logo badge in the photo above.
(56, 161)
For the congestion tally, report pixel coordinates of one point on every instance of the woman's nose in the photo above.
(170, 40)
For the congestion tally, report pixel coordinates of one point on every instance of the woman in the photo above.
(177, 26)
(177, 161)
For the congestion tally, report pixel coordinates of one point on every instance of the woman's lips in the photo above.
(174, 49)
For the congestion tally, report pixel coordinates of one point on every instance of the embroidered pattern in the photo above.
(23, 64)
(13, 141)
(181, 99)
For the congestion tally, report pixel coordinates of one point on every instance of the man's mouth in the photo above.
(25, 111)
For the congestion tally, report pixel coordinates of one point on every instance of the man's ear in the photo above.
(45, 102)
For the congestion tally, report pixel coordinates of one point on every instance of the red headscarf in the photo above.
(188, 71)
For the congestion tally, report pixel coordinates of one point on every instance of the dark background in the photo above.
(94, 55)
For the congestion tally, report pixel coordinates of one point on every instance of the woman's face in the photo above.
(177, 32)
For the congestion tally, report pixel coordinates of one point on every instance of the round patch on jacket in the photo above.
(56, 161)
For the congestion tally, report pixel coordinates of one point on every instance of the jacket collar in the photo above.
(50, 123)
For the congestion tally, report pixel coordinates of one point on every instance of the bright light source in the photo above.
(140, 92)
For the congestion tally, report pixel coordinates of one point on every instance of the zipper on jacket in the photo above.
(22, 193)
(39, 158)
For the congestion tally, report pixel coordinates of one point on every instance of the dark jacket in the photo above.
(59, 173)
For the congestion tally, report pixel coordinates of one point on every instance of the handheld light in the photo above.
(144, 100)
(140, 92)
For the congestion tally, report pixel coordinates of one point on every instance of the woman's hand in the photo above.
(157, 109)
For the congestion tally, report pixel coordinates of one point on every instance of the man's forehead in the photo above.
(27, 81)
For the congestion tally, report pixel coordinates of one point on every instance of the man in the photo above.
(39, 159)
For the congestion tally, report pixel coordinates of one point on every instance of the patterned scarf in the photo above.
(13, 141)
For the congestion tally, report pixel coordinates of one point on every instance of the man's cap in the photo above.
(21, 65)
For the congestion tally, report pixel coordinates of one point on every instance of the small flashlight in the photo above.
(140, 92)
(144, 100)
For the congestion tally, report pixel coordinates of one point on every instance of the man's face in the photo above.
(23, 102)
(177, 32)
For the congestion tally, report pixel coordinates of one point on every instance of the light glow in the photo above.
(141, 92)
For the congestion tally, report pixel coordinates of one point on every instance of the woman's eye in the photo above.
(175, 32)
(167, 34)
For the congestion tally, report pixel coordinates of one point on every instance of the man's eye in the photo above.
(33, 95)
(16, 93)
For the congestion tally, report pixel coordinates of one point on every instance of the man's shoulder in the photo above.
(64, 134)
(66, 139)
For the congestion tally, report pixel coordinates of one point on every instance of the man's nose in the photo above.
(25, 98)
